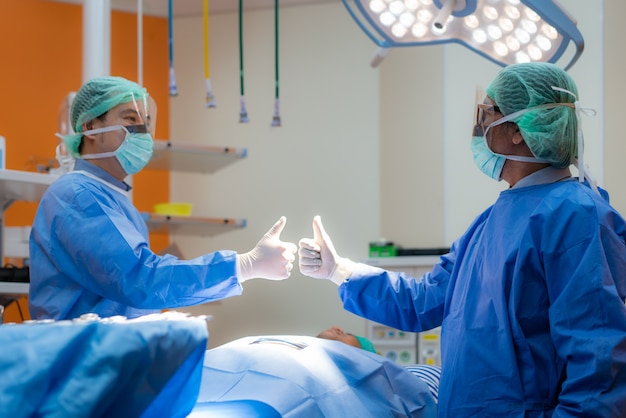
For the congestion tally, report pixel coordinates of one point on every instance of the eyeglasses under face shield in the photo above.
(485, 116)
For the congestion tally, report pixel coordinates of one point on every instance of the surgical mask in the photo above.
(66, 162)
(133, 153)
(486, 160)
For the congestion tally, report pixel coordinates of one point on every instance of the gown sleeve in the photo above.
(398, 300)
(102, 243)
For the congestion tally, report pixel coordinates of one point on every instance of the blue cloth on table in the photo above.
(430, 374)
(302, 376)
(96, 369)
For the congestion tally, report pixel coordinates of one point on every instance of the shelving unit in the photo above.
(19, 185)
(193, 158)
(22, 185)
(188, 225)
(197, 159)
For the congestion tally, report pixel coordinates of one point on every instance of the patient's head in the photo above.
(336, 333)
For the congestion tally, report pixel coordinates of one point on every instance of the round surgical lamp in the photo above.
(503, 31)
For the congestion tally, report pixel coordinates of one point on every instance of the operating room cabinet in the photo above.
(400, 346)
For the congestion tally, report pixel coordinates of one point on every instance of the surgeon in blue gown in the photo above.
(89, 247)
(531, 297)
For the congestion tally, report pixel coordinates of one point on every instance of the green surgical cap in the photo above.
(551, 134)
(366, 344)
(96, 97)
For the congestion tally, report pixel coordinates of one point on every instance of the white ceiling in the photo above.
(196, 7)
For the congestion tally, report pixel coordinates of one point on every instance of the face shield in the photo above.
(487, 116)
(127, 109)
(63, 157)
(137, 115)
(136, 118)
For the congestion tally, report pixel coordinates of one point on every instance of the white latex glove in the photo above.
(318, 258)
(270, 259)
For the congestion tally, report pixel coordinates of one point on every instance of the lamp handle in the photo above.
(444, 13)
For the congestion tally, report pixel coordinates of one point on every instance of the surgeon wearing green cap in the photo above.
(530, 299)
(89, 246)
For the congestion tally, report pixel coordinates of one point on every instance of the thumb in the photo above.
(319, 234)
(277, 228)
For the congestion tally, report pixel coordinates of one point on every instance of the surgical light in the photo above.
(503, 31)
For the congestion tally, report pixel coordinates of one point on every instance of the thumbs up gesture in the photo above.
(270, 259)
(318, 258)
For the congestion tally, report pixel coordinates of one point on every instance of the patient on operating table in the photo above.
(304, 376)
(429, 374)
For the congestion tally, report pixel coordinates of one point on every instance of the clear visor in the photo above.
(478, 99)
(137, 111)
(484, 114)
(65, 125)
(138, 115)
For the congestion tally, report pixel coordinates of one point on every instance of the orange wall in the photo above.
(41, 61)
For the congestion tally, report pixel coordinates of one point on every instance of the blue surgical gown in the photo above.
(531, 304)
(89, 252)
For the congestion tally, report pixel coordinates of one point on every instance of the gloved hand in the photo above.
(318, 258)
(270, 259)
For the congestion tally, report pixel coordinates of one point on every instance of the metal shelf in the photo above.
(14, 289)
(189, 225)
(22, 185)
(403, 261)
(193, 158)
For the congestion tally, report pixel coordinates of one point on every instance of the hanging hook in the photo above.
(173, 88)
(243, 113)
(276, 118)
(210, 98)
